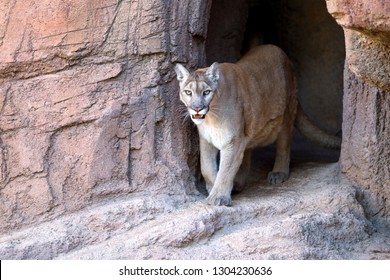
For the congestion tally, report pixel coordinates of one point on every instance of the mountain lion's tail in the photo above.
(313, 133)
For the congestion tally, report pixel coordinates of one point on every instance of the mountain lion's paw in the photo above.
(277, 177)
(220, 200)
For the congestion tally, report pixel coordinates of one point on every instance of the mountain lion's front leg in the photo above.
(231, 159)
(208, 162)
(243, 172)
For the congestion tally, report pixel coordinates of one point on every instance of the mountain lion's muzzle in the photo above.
(198, 113)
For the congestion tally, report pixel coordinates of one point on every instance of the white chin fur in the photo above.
(197, 121)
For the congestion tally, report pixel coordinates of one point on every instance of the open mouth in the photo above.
(198, 116)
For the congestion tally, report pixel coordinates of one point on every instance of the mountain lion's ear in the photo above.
(213, 73)
(181, 73)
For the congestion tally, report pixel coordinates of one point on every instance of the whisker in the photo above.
(185, 119)
(184, 114)
(214, 110)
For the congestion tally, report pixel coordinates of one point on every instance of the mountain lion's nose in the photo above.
(197, 108)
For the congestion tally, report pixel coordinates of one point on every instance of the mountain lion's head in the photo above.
(197, 89)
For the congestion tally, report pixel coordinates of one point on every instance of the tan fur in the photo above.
(244, 105)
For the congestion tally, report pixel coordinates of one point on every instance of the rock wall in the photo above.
(94, 151)
(365, 155)
(226, 28)
(87, 100)
(315, 44)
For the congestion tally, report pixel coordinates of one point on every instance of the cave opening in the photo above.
(314, 43)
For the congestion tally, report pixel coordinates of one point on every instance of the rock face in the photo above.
(365, 155)
(97, 162)
(86, 103)
(315, 44)
(227, 23)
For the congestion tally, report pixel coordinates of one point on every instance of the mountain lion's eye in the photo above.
(188, 92)
(206, 92)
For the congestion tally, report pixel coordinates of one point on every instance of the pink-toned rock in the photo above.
(84, 92)
(96, 161)
(363, 15)
(365, 153)
(367, 38)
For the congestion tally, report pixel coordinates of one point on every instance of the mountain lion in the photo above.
(237, 107)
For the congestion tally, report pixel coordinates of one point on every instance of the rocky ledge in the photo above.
(312, 216)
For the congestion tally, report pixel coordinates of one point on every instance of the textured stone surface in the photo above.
(323, 217)
(368, 16)
(96, 161)
(226, 28)
(365, 154)
(315, 44)
(367, 29)
(86, 103)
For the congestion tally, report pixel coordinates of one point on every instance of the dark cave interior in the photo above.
(313, 41)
